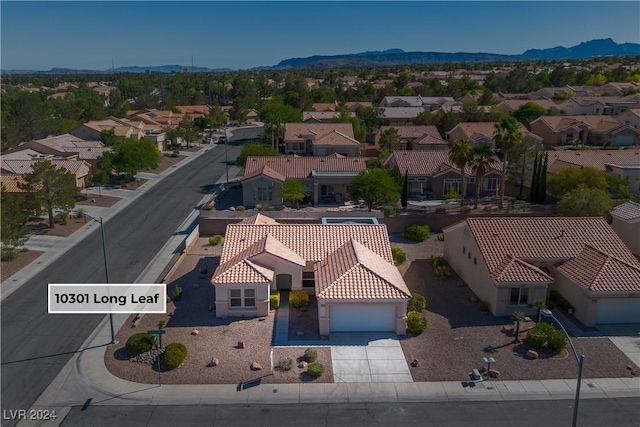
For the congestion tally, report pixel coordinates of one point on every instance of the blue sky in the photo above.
(85, 34)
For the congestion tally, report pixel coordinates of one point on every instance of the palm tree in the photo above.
(520, 318)
(460, 155)
(507, 133)
(481, 160)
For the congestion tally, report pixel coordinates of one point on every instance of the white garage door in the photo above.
(624, 140)
(362, 318)
(618, 311)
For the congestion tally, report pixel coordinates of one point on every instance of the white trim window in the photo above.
(239, 298)
(490, 184)
(265, 194)
(519, 296)
(449, 183)
(308, 279)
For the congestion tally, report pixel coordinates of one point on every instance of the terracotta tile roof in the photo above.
(303, 131)
(431, 140)
(10, 183)
(301, 167)
(244, 271)
(266, 171)
(515, 270)
(401, 112)
(355, 272)
(542, 238)
(26, 154)
(333, 138)
(259, 219)
(600, 123)
(324, 107)
(596, 158)
(599, 271)
(427, 162)
(414, 131)
(312, 242)
(320, 115)
(21, 167)
(629, 210)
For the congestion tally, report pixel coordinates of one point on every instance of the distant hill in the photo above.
(601, 47)
(132, 69)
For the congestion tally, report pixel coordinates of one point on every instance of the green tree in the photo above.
(101, 178)
(507, 134)
(239, 111)
(129, 156)
(374, 186)
(254, 149)
(528, 112)
(520, 166)
(108, 137)
(461, 155)
(372, 117)
(541, 187)
(389, 140)
(276, 111)
(570, 178)
(13, 219)
(481, 159)
(187, 130)
(292, 190)
(216, 116)
(585, 201)
(50, 187)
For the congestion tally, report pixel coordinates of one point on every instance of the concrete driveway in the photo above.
(368, 358)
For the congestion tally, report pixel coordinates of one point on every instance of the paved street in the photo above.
(593, 412)
(37, 345)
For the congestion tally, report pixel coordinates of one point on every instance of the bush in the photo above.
(557, 341)
(139, 343)
(465, 210)
(240, 208)
(417, 232)
(487, 209)
(215, 240)
(176, 292)
(441, 238)
(207, 207)
(441, 210)
(435, 260)
(310, 354)
(417, 303)
(416, 322)
(274, 300)
(285, 364)
(545, 335)
(315, 369)
(173, 356)
(398, 255)
(8, 254)
(559, 300)
(536, 339)
(61, 218)
(175, 153)
(484, 306)
(388, 210)
(443, 272)
(299, 299)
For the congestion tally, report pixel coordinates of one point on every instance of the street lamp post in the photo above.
(106, 271)
(579, 358)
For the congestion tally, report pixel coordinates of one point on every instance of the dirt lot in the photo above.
(9, 268)
(97, 200)
(216, 338)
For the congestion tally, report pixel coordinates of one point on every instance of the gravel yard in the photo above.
(23, 258)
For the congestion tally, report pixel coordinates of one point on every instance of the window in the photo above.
(471, 180)
(490, 184)
(519, 296)
(469, 255)
(265, 194)
(308, 279)
(464, 250)
(242, 297)
(475, 260)
(451, 183)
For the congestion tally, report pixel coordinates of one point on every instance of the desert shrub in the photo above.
(215, 240)
(285, 364)
(139, 343)
(416, 322)
(417, 232)
(61, 218)
(465, 209)
(299, 299)
(240, 208)
(315, 369)
(8, 254)
(388, 210)
(441, 238)
(310, 354)
(176, 292)
(545, 335)
(175, 153)
(484, 306)
(79, 212)
(435, 260)
(443, 272)
(174, 355)
(398, 255)
(207, 207)
(417, 303)
(274, 300)
(556, 341)
(559, 300)
(536, 339)
(487, 209)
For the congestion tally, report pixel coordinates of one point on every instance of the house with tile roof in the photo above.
(596, 105)
(90, 131)
(417, 137)
(593, 130)
(511, 262)
(427, 102)
(400, 115)
(631, 117)
(322, 116)
(625, 221)
(16, 165)
(320, 139)
(432, 174)
(348, 267)
(326, 179)
(483, 133)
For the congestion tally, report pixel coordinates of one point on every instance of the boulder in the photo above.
(303, 365)
(215, 362)
(414, 363)
(240, 344)
(532, 354)
(255, 366)
(195, 332)
(494, 374)
(507, 329)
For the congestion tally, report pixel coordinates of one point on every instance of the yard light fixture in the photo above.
(579, 358)
(106, 271)
(489, 361)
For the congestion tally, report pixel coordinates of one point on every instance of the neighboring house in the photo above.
(323, 107)
(401, 115)
(619, 88)
(322, 116)
(10, 165)
(432, 174)
(427, 102)
(626, 223)
(622, 163)
(482, 133)
(320, 139)
(194, 111)
(630, 117)
(511, 105)
(90, 131)
(327, 179)
(595, 105)
(349, 269)
(511, 262)
(417, 137)
(155, 119)
(594, 130)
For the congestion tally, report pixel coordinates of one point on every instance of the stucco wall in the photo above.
(584, 310)
(250, 191)
(629, 233)
(222, 300)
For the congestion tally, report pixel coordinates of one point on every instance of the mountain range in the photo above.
(599, 47)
